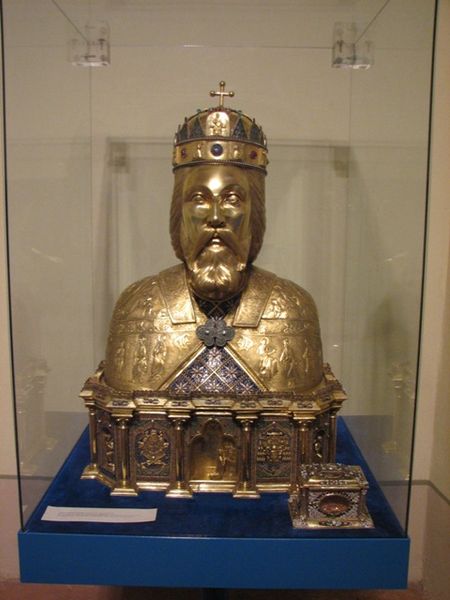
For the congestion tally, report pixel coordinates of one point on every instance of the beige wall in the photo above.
(9, 515)
(433, 422)
(7, 451)
(430, 514)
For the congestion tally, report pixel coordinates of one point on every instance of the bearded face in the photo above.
(215, 231)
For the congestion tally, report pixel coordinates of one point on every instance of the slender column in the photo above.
(332, 437)
(93, 436)
(305, 441)
(122, 458)
(179, 487)
(304, 447)
(295, 466)
(91, 470)
(246, 485)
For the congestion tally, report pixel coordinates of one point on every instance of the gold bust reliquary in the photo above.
(213, 379)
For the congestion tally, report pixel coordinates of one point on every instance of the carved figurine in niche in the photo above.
(213, 454)
(214, 339)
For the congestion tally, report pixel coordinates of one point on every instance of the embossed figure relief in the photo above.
(318, 444)
(245, 343)
(199, 150)
(140, 363)
(276, 309)
(274, 450)
(108, 442)
(306, 356)
(268, 362)
(152, 450)
(218, 123)
(181, 341)
(159, 355)
(320, 438)
(287, 359)
(119, 357)
(147, 305)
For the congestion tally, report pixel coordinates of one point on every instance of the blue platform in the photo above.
(211, 540)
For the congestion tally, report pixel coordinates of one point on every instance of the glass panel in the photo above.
(49, 210)
(385, 235)
(346, 175)
(212, 23)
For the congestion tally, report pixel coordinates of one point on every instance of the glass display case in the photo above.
(94, 91)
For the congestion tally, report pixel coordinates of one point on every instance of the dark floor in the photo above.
(13, 590)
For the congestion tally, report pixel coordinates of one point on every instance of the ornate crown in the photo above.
(220, 135)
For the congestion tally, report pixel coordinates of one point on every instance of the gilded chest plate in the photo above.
(153, 339)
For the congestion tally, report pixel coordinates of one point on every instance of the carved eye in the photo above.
(233, 198)
(198, 198)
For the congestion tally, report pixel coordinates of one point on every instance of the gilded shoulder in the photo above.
(289, 300)
(140, 300)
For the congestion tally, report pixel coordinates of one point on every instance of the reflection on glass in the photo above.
(349, 51)
(49, 212)
(93, 48)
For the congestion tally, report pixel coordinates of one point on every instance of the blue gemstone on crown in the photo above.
(217, 149)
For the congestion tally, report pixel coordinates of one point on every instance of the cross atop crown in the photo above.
(220, 135)
(221, 93)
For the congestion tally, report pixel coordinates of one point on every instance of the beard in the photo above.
(216, 273)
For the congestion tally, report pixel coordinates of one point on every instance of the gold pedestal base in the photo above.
(93, 472)
(123, 491)
(218, 443)
(179, 493)
(250, 494)
(90, 472)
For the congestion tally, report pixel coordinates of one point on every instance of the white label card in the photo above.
(100, 515)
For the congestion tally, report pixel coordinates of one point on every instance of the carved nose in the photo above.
(215, 218)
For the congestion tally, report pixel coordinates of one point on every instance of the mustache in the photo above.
(225, 235)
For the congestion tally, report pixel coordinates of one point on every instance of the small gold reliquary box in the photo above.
(330, 496)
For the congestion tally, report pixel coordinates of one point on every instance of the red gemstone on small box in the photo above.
(253, 154)
(183, 153)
